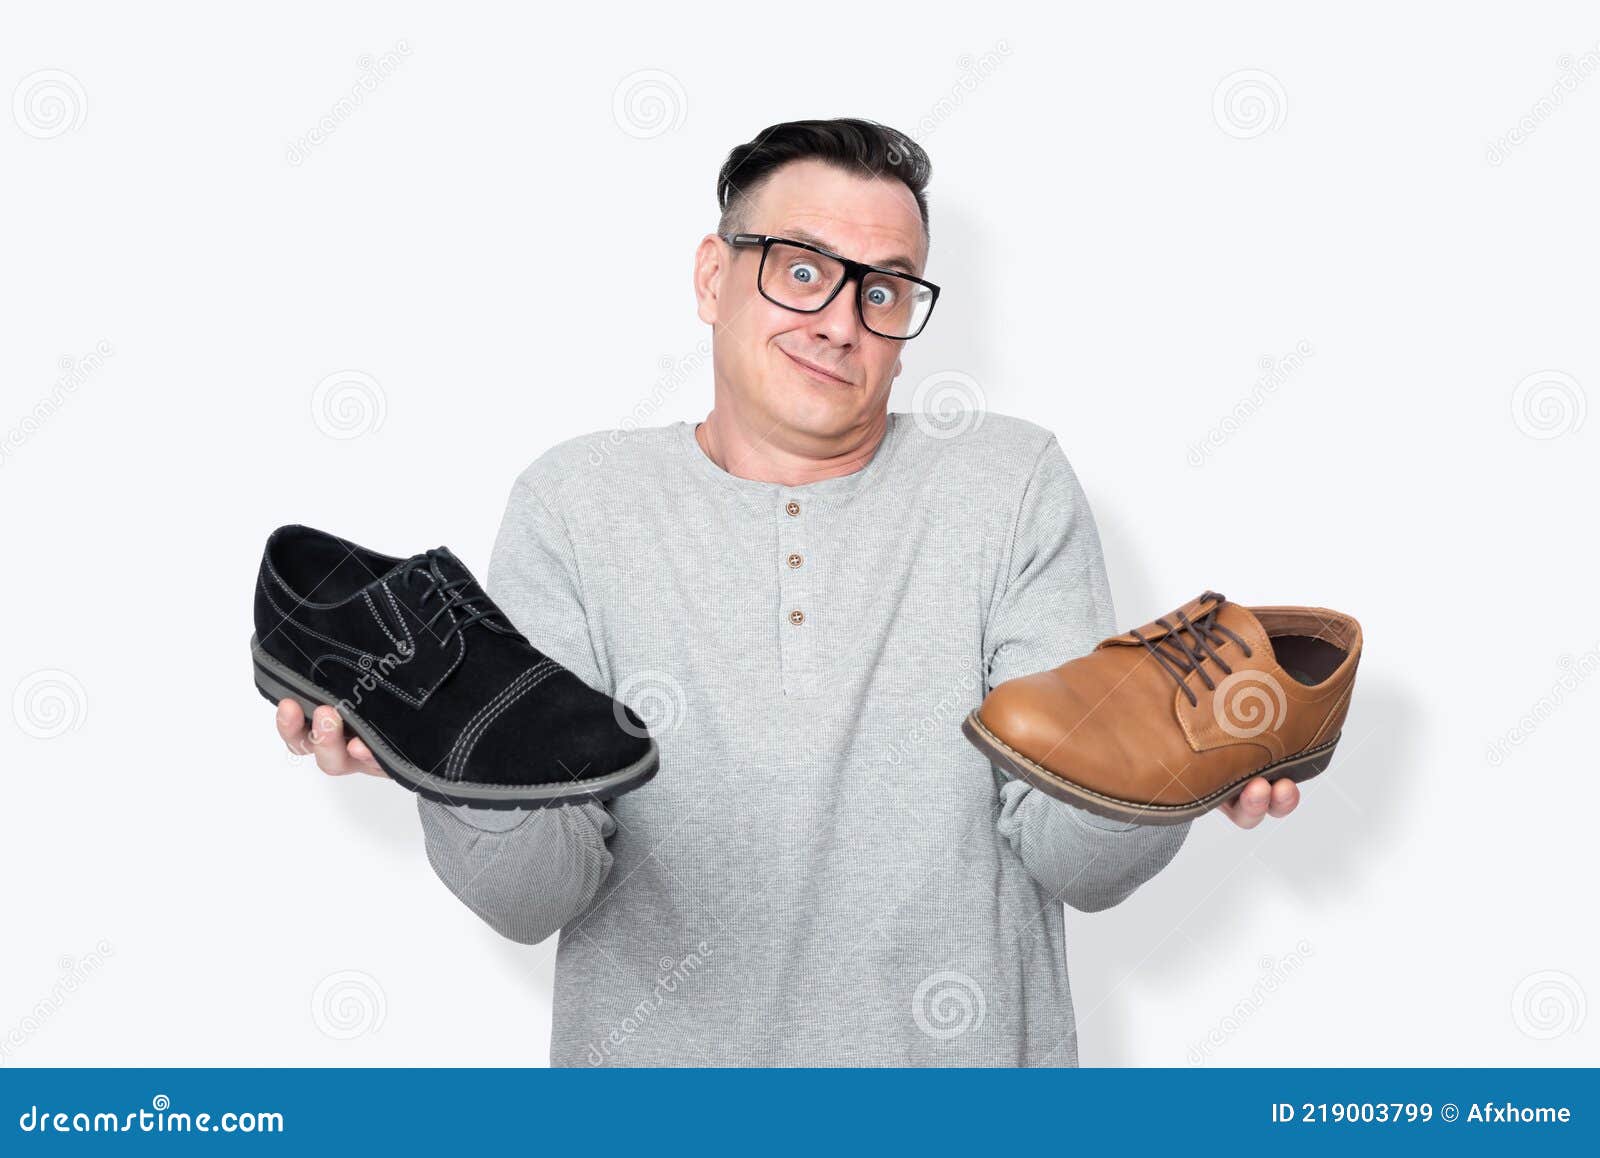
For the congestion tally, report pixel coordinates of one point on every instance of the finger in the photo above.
(1285, 796)
(328, 743)
(291, 724)
(362, 755)
(1252, 803)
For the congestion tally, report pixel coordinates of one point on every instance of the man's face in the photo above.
(808, 377)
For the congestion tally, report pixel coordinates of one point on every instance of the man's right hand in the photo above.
(323, 737)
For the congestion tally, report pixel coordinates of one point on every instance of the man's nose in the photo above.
(838, 321)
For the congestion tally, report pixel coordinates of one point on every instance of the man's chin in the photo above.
(822, 415)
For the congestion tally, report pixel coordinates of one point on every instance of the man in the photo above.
(814, 591)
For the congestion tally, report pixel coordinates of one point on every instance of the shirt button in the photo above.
(792, 507)
(795, 560)
(797, 617)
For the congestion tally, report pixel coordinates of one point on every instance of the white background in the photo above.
(502, 245)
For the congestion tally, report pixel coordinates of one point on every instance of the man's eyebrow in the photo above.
(897, 262)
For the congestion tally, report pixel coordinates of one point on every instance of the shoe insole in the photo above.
(1307, 659)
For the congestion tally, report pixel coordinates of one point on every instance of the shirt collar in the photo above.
(829, 491)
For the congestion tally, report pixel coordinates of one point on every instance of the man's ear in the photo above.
(708, 270)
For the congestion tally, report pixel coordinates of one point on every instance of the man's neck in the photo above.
(752, 454)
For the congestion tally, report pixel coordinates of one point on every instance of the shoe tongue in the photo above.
(1243, 623)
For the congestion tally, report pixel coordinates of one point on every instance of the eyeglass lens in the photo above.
(895, 307)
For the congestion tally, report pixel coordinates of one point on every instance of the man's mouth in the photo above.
(818, 371)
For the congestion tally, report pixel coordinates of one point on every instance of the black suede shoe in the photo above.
(454, 702)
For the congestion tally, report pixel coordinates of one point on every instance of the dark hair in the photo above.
(857, 146)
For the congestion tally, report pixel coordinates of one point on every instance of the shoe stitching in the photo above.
(382, 626)
(415, 701)
(483, 729)
(266, 561)
(454, 762)
(1220, 792)
(393, 688)
(456, 759)
(461, 651)
(1338, 705)
(479, 714)
(287, 618)
(400, 619)
(467, 730)
(306, 600)
(461, 648)
(461, 645)
(396, 753)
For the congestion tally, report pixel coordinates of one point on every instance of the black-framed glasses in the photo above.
(805, 278)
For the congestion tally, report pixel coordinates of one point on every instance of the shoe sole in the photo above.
(1299, 767)
(277, 682)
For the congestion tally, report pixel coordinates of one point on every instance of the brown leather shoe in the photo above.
(1162, 724)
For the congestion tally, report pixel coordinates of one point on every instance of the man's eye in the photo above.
(804, 274)
(880, 295)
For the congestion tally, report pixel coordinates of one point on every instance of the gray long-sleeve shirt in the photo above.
(824, 871)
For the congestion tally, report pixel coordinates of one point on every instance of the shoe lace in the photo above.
(461, 595)
(1189, 643)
